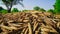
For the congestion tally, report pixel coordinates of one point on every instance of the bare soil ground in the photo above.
(29, 23)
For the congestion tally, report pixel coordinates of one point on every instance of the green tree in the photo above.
(51, 10)
(36, 8)
(1, 8)
(57, 6)
(15, 10)
(10, 3)
(41, 9)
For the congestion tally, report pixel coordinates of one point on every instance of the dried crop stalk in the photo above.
(26, 31)
(9, 28)
(23, 31)
(35, 26)
(36, 32)
(30, 28)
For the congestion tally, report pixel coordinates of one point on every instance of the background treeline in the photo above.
(4, 11)
(10, 3)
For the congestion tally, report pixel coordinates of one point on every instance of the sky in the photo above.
(29, 4)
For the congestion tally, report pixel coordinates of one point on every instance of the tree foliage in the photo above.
(36, 8)
(1, 8)
(57, 6)
(41, 9)
(10, 3)
(51, 10)
(15, 10)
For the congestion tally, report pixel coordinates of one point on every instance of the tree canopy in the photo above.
(57, 6)
(51, 10)
(10, 3)
(36, 8)
(41, 9)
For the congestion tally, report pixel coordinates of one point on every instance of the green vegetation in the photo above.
(1, 8)
(24, 10)
(57, 7)
(10, 3)
(43, 10)
(4, 11)
(15, 10)
(51, 10)
(36, 8)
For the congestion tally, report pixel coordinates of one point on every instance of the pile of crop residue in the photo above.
(29, 23)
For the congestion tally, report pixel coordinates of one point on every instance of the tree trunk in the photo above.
(9, 10)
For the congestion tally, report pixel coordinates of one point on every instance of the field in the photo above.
(32, 22)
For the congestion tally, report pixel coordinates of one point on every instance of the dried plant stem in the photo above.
(30, 28)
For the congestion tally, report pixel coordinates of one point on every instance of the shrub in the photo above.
(51, 10)
(36, 8)
(43, 10)
(15, 10)
(1, 8)
(4, 11)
